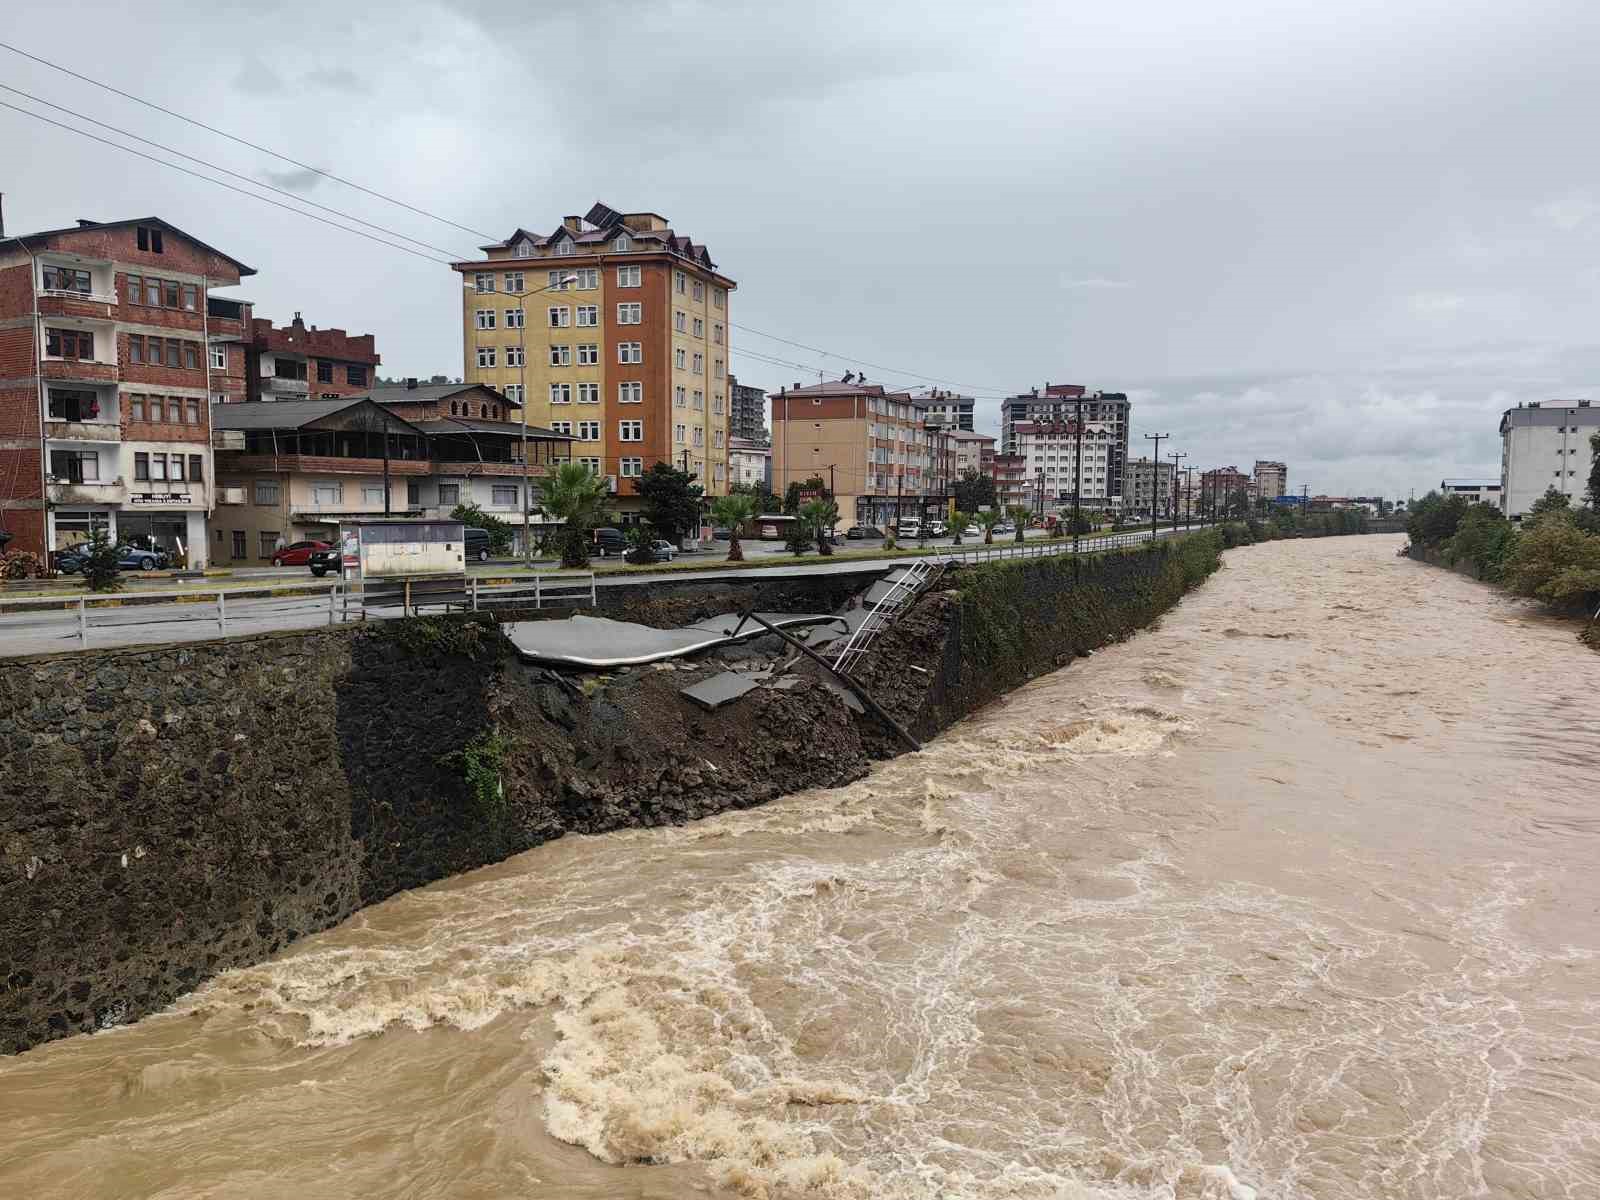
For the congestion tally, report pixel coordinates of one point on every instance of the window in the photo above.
(717, 295)
(449, 493)
(486, 356)
(141, 467)
(588, 279)
(135, 408)
(588, 354)
(193, 407)
(699, 290)
(560, 317)
(372, 496)
(623, 242)
(149, 239)
(716, 439)
(266, 543)
(174, 411)
(175, 355)
(71, 404)
(716, 335)
(69, 343)
(630, 431)
(523, 249)
(514, 356)
(699, 367)
(630, 393)
(169, 294)
(158, 467)
(630, 314)
(680, 433)
(503, 495)
(219, 358)
(66, 279)
(324, 372)
(699, 436)
(561, 427)
(560, 393)
(177, 468)
(75, 466)
(588, 315)
(191, 356)
(699, 328)
(238, 543)
(680, 397)
(680, 320)
(631, 468)
(135, 289)
(152, 292)
(593, 464)
(589, 431)
(678, 359)
(630, 352)
(564, 248)
(513, 392)
(287, 368)
(135, 348)
(514, 317)
(588, 393)
(717, 404)
(626, 277)
(483, 282)
(267, 491)
(484, 318)
(680, 282)
(560, 356)
(413, 494)
(191, 297)
(699, 400)
(556, 281)
(513, 281)
(719, 369)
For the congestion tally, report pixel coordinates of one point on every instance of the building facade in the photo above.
(1473, 491)
(1149, 486)
(948, 410)
(1057, 402)
(1545, 445)
(1012, 485)
(614, 327)
(749, 462)
(747, 413)
(1054, 451)
(300, 362)
(1271, 479)
(969, 448)
(869, 444)
(1224, 490)
(111, 353)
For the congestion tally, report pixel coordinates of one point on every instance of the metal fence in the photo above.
(1053, 547)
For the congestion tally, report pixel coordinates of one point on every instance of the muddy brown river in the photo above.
(1292, 896)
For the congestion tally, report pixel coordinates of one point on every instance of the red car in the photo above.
(296, 554)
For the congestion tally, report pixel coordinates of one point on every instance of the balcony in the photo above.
(77, 370)
(104, 491)
(286, 389)
(83, 431)
(90, 305)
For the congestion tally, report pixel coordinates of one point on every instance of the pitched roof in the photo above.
(290, 414)
(81, 226)
(476, 425)
(398, 393)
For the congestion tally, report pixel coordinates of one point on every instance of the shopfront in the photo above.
(150, 522)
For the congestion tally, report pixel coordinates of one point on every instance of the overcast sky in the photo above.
(1344, 233)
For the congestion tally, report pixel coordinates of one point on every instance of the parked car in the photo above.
(132, 558)
(324, 560)
(477, 543)
(858, 533)
(1005, 527)
(663, 550)
(296, 554)
(608, 541)
(722, 533)
(937, 529)
(70, 560)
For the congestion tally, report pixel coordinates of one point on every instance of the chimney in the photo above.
(573, 223)
(411, 383)
(797, 385)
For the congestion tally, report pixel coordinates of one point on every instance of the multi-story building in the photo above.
(1271, 479)
(749, 462)
(1054, 452)
(289, 470)
(1544, 445)
(614, 324)
(969, 451)
(1012, 484)
(1473, 491)
(869, 443)
(111, 352)
(948, 410)
(300, 362)
(1058, 402)
(1223, 490)
(1148, 486)
(747, 413)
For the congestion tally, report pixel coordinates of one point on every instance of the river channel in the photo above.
(1292, 896)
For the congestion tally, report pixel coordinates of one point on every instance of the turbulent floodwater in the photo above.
(1294, 896)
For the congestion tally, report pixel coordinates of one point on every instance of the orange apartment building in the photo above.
(112, 350)
(613, 329)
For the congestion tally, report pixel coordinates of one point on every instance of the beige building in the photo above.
(1271, 479)
(969, 449)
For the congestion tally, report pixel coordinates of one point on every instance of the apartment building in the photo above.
(747, 413)
(615, 327)
(1543, 445)
(948, 410)
(1473, 491)
(870, 443)
(969, 449)
(1054, 452)
(749, 462)
(1271, 479)
(1012, 484)
(300, 362)
(1223, 489)
(112, 349)
(1149, 486)
(288, 470)
(1057, 402)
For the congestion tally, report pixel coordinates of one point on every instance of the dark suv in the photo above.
(477, 543)
(608, 541)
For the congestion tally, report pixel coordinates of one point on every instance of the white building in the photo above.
(948, 410)
(1545, 445)
(1474, 491)
(749, 462)
(1052, 449)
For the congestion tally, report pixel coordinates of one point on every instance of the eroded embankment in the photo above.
(167, 814)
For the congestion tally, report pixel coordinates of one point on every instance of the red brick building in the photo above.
(112, 348)
(301, 362)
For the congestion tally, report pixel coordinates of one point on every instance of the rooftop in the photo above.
(153, 222)
(602, 225)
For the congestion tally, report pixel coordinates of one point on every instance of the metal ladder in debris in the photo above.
(912, 579)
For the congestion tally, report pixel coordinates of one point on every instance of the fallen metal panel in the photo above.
(596, 643)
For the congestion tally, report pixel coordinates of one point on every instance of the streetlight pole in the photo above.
(1172, 496)
(1155, 478)
(1188, 498)
(1077, 482)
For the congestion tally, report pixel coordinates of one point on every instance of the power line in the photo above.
(864, 362)
(219, 183)
(454, 254)
(242, 141)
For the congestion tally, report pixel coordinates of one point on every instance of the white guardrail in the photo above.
(1055, 546)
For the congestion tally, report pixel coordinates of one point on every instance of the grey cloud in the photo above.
(256, 78)
(298, 179)
(338, 79)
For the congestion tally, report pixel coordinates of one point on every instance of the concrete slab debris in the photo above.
(721, 689)
(597, 643)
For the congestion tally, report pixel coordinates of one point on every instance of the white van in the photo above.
(910, 527)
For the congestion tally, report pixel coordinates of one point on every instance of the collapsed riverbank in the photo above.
(171, 813)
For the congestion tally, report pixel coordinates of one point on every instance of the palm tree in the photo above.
(988, 520)
(821, 516)
(576, 495)
(1019, 514)
(733, 511)
(959, 523)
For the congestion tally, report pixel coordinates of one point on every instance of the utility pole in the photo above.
(1077, 485)
(1155, 508)
(1172, 496)
(1188, 498)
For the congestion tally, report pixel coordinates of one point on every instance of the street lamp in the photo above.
(1155, 476)
(1172, 496)
(522, 397)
